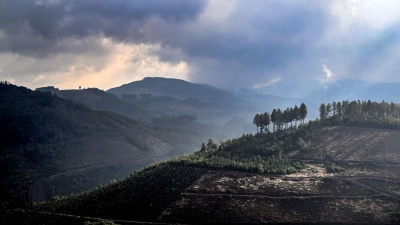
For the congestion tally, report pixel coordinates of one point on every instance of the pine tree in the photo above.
(274, 118)
(203, 147)
(291, 116)
(339, 110)
(328, 110)
(279, 119)
(266, 120)
(296, 114)
(303, 112)
(322, 112)
(262, 125)
(334, 108)
(256, 121)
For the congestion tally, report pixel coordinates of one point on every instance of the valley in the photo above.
(199, 112)
(365, 192)
(102, 167)
(53, 147)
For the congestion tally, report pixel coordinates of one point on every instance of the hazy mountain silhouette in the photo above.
(177, 88)
(348, 89)
(206, 102)
(97, 99)
(203, 100)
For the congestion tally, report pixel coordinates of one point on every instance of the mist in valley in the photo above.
(114, 112)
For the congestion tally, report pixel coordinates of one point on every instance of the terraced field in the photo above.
(366, 193)
(235, 197)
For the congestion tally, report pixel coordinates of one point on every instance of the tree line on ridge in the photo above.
(280, 119)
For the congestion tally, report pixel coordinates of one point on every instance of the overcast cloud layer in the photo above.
(103, 43)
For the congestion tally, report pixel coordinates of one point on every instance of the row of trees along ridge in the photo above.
(361, 113)
(280, 118)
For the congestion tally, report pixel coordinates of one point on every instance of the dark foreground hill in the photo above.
(313, 174)
(50, 146)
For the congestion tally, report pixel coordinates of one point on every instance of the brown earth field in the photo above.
(312, 196)
(368, 192)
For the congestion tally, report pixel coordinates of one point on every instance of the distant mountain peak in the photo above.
(181, 89)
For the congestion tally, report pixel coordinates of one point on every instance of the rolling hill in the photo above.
(51, 146)
(180, 89)
(313, 174)
(179, 97)
(209, 104)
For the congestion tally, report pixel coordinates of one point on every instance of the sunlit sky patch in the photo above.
(229, 44)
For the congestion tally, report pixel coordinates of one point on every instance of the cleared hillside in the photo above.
(365, 193)
(353, 144)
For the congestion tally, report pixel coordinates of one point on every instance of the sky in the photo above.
(225, 43)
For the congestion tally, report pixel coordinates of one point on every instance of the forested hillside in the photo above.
(298, 167)
(361, 113)
(320, 171)
(51, 146)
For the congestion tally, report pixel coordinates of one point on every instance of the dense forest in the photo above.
(260, 153)
(361, 113)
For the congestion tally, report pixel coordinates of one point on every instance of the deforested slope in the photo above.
(313, 173)
(263, 178)
(354, 144)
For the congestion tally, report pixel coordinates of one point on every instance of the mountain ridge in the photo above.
(351, 89)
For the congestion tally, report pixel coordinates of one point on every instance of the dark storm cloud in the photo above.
(234, 43)
(367, 55)
(36, 27)
(251, 47)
